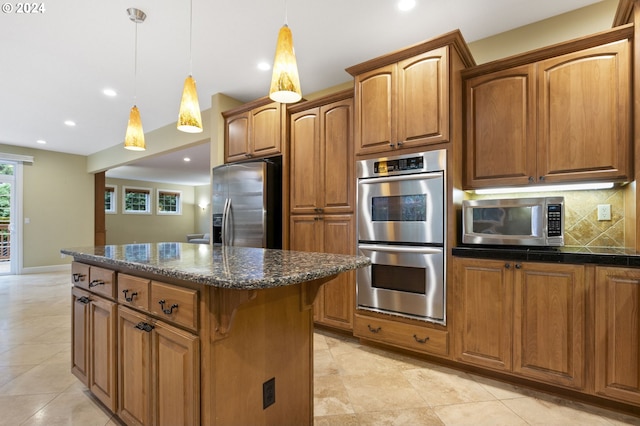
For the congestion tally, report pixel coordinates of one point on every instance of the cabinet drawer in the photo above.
(102, 282)
(133, 291)
(176, 304)
(403, 335)
(80, 275)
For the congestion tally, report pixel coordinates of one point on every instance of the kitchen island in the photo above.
(173, 333)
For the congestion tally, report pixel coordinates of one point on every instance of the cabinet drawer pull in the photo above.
(95, 283)
(374, 330)
(84, 300)
(167, 311)
(419, 340)
(518, 266)
(78, 277)
(130, 298)
(144, 326)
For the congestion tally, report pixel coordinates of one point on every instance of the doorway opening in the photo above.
(9, 244)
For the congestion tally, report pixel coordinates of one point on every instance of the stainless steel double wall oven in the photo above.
(401, 225)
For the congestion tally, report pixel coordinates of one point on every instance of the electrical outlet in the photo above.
(604, 211)
(268, 393)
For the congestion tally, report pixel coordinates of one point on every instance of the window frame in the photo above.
(136, 189)
(178, 211)
(114, 199)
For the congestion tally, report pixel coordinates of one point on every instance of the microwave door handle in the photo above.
(417, 176)
(403, 249)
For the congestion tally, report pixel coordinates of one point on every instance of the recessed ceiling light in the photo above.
(109, 92)
(405, 5)
(41, 141)
(187, 159)
(264, 66)
(70, 123)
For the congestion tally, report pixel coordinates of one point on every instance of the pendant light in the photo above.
(189, 118)
(134, 138)
(285, 82)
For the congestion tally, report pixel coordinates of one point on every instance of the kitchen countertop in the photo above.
(225, 267)
(568, 254)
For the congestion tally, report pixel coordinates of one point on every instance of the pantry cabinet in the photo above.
(617, 334)
(551, 117)
(403, 100)
(253, 130)
(524, 317)
(322, 196)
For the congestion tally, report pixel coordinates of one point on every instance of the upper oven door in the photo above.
(402, 209)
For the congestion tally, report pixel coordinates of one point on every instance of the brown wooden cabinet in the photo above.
(528, 318)
(329, 234)
(403, 105)
(94, 344)
(321, 151)
(617, 334)
(322, 195)
(545, 117)
(253, 130)
(159, 375)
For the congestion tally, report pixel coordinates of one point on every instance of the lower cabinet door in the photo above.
(176, 376)
(134, 373)
(102, 372)
(80, 334)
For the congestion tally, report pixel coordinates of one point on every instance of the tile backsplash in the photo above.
(582, 227)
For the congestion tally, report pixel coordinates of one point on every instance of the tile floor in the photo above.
(354, 384)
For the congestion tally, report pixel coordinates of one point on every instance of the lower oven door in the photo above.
(404, 280)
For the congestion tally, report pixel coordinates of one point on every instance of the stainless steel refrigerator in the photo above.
(247, 204)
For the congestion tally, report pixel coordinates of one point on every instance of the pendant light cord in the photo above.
(286, 13)
(135, 67)
(190, 37)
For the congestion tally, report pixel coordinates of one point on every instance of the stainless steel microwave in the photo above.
(514, 221)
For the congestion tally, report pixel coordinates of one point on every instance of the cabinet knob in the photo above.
(531, 179)
(400, 143)
(541, 178)
(248, 155)
(392, 145)
(507, 265)
(518, 266)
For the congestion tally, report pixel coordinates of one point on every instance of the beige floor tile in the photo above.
(70, 408)
(10, 372)
(554, 411)
(340, 420)
(324, 364)
(17, 409)
(444, 386)
(31, 353)
(503, 390)
(381, 392)
(44, 378)
(367, 360)
(487, 413)
(330, 397)
(409, 417)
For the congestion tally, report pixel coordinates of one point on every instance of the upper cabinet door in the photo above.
(237, 137)
(305, 167)
(501, 128)
(423, 99)
(584, 121)
(266, 128)
(375, 98)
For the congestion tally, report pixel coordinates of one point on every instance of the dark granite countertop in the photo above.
(225, 267)
(568, 254)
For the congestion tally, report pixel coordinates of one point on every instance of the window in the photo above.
(110, 199)
(136, 200)
(169, 202)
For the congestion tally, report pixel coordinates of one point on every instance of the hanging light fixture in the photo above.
(285, 82)
(134, 138)
(189, 118)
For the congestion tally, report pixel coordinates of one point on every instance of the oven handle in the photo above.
(403, 249)
(417, 176)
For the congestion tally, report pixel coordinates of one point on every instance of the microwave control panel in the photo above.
(554, 220)
(397, 165)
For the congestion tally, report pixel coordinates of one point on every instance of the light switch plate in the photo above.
(604, 211)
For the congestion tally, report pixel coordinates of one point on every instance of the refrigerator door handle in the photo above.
(224, 222)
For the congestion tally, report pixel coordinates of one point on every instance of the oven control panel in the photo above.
(401, 164)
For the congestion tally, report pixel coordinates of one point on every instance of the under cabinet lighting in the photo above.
(546, 188)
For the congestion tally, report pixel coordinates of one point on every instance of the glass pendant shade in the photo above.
(285, 82)
(134, 138)
(189, 119)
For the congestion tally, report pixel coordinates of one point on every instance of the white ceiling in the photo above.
(54, 65)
